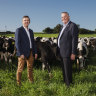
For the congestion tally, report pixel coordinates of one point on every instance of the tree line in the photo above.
(58, 27)
(7, 32)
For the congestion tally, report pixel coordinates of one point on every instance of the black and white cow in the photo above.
(8, 49)
(93, 43)
(46, 55)
(1, 47)
(82, 53)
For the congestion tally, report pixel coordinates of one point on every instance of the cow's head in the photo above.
(82, 53)
(5, 44)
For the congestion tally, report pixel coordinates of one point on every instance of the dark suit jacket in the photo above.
(69, 40)
(22, 42)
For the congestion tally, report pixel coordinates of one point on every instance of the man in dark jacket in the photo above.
(26, 49)
(67, 45)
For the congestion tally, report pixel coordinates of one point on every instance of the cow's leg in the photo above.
(1, 55)
(43, 66)
(49, 69)
(10, 59)
(84, 61)
(5, 57)
(77, 65)
(14, 52)
(81, 60)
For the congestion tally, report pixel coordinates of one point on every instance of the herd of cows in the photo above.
(47, 50)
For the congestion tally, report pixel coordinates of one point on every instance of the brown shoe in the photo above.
(19, 78)
(31, 81)
(19, 83)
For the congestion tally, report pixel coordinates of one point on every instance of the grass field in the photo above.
(52, 35)
(84, 82)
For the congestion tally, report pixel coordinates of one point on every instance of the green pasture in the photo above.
(51, 35)
(84, 82)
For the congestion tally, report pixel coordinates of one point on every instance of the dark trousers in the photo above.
(67, 70)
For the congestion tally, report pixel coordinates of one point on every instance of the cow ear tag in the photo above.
(13, 43)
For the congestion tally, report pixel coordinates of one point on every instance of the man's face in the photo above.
(65, 18)
(25, 22)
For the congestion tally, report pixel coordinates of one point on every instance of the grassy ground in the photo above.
(52, 35)
(84, 82)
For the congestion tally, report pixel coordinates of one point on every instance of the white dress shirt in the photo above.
(27, 31)
(64, 26)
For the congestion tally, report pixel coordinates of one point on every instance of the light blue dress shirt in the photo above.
(27, 31)
(64, 26)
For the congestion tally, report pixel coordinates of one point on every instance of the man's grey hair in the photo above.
(66, 13)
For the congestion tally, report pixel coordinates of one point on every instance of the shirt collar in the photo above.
(64, 25)
(26, 28)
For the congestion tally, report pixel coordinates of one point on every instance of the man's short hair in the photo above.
(66, 13)
(26, 17)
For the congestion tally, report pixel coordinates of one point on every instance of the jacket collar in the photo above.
(68, 24)
(25, 30)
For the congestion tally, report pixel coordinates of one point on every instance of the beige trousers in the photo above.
(21, 63)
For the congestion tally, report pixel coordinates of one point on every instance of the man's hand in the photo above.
(36, 56)
(22, 56)
(72, 57)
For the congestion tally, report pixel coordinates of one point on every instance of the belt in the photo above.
(30, 49)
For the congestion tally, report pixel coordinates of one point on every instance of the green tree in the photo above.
(57, 28)
(8, 32)
(48, 30)
(78, 26)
